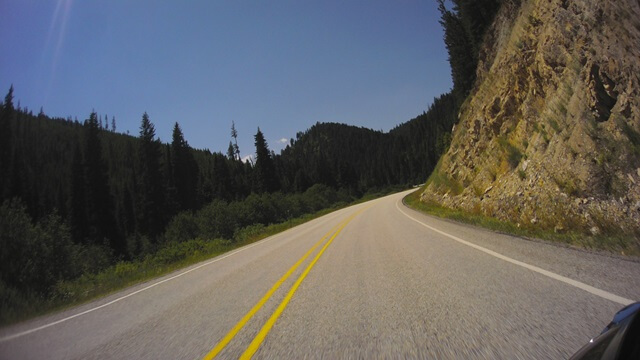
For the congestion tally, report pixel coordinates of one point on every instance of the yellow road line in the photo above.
(225, 340)
(257, 341)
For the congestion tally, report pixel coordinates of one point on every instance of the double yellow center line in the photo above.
(259, 338)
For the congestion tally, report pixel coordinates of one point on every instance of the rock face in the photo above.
(550, 135)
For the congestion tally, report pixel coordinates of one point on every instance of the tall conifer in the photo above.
(185, 170)
(151, 193)
(266, 179)
(100, 214)
(5, 143)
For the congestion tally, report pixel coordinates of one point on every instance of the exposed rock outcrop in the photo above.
(550, 135)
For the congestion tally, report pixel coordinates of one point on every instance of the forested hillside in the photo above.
(110, 188)
(109, 185)
(360, 159)
(83, 196)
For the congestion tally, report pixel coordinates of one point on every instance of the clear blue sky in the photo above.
(279, 65)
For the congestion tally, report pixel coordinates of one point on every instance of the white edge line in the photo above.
(27, 332)
(588, 288)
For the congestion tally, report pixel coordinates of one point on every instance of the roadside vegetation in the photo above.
(44, 270)
(618, 244)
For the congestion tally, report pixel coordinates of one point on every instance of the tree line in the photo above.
(465, 25)
(115, 194)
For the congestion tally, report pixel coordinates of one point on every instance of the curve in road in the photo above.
(389, 282)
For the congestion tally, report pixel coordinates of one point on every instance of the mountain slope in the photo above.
(361, 159)
(550, 135)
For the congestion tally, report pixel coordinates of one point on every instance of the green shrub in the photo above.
(319, 196)
(513, 153)
(182, 227)
(236, 220)
(554, 125)
(219, 219)
(445, 184)
(139, 245)
(522, 174)
(34, 257)
(633, 136)
(563, 109)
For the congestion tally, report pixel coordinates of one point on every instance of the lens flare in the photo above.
(57, 30)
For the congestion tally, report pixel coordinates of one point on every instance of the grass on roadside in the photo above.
(616, 244)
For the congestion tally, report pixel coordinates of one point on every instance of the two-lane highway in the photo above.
(375, 280)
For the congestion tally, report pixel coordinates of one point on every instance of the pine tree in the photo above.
(151, 193)
(113, 124)
(222, 187)
(184, 170)
(476, 17)
(464, 27)
(462, 58)
(234, 136)
(100, 209)
(231, 152)
(5, 143)
(171, 197)
(266, 179)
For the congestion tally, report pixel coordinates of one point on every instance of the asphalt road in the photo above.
(378, 281)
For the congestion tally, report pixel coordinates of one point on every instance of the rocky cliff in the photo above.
(550, 135)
